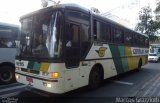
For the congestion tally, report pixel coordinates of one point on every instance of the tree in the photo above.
(146, 24)
(158, 7)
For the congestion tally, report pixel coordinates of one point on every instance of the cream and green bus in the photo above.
(65, 47)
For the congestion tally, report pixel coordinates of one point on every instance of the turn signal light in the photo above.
(55, 75)
(49, 85)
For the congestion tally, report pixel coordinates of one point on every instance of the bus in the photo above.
(66, 46)
(8, 39)
(154, 48)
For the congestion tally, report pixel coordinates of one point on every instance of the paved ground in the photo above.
(145, 83)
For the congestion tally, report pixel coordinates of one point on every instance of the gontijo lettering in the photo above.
(140, 51)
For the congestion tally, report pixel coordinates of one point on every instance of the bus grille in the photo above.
(30, 71)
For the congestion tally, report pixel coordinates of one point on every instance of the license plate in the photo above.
(29, 79)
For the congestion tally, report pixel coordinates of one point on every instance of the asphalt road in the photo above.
(143, 83)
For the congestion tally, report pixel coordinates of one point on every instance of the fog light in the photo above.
(49, 85)
(17, 76)
(45, 73)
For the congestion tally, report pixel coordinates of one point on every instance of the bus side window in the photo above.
(142, 41)
(108, 32)
(2, 43)
(136, 39)
(146, 42)
(103, 32)
(6, 43)
(112, 34)
(127, 38)
(95, 29)
(117, 36)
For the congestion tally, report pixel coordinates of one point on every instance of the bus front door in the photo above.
(72, 57)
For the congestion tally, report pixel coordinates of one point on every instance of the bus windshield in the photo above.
(41, 35)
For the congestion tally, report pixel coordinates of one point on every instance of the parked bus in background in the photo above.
(154, 53)
(65, 47)
(8, 39)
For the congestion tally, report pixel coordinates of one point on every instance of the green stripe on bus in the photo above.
(124, 61)
(36, 66)
(30, 65)
(116, 58)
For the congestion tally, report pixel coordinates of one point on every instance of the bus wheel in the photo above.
(158, 60)
(140, 64)
(7, 74)
(95, 77)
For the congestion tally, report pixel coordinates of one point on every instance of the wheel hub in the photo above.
(6, 76)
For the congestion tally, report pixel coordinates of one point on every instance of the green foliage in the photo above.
(146, 24)
(158, 7)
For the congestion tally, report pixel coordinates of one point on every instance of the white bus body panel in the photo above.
(104, 57)
(7, 55)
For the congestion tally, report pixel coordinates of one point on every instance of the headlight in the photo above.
(17, 76)
(156, 58)
(47, 84)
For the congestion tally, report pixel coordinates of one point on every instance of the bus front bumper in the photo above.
(51, 86)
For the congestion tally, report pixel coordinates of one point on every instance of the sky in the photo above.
(12, 10)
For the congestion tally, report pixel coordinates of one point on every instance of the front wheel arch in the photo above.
(96, 76)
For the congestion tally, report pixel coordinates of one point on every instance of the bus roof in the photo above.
(8, 25)
(80, 8)
(69, 5)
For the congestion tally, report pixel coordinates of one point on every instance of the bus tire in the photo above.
(140, 64)
(158, 60)
(7, 74)
(95, 77)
